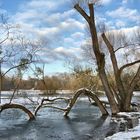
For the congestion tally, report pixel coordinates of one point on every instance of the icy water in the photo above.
(84, 123)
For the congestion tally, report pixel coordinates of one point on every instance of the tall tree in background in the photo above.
(120, 100)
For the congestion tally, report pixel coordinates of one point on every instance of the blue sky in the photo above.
(64, 30)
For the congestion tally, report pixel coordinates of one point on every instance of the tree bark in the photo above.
(125, 95)
(89, 94)
(99, 56)
(18, 106)
(50, 100)
(114, 106)
(131, 89)
(118, 79)
(101, 62)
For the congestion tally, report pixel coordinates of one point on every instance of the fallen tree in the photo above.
(91, 95)
(72, 101)
(50, 100)
(17, 106)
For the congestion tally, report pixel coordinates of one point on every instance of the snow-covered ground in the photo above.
(131, 134)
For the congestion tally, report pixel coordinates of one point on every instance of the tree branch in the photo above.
(22, 64)
(126, 45)
(119, 48)
(131, 89)
(91, 10)
(108, 44)
(118, 79)
(15, 89)
(128, 65)
(134, 80)
(5, 38)
(82, 12)
(89, 94)
(55, 99)
(50, 100)
(55, 107)
(17, 106)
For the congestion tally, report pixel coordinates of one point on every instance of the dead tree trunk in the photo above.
(89, 94)
(18, 106)
(50, 100)
(100, 58)
(72, 101)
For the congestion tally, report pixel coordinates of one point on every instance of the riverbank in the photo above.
(130, 134)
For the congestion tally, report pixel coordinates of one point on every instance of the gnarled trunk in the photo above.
(18, 106)
(89, 94)
(99, 55)
(50, 100)
(118, 79)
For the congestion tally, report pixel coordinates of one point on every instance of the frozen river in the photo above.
(84, 122)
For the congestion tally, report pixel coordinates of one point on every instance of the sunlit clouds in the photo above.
(61, 31)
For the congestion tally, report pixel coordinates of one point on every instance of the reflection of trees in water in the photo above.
(93, 128)
(11, 114)
(16, 130)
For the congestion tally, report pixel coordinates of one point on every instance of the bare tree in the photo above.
(16, 53)
(119, 100)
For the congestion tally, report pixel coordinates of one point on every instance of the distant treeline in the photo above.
(66, 81)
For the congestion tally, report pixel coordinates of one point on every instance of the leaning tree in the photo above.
(119, 99)
(16, 54)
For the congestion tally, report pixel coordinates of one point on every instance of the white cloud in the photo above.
(45, 20)
(41, 19)
(68, 40)
(64, 51)
(124, 1)
(3, 11)
(66, 27)
(129, 31)
(105, 2)
(37, 20)
(50, 55)
(77, 35)
(72, 24)
(122, 12)
(120, 23)
(41, 5)
(54, 18)
(71, 52)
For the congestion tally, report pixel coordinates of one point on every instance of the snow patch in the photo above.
(133, 133)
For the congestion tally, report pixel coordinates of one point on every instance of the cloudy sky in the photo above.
(61, 29)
